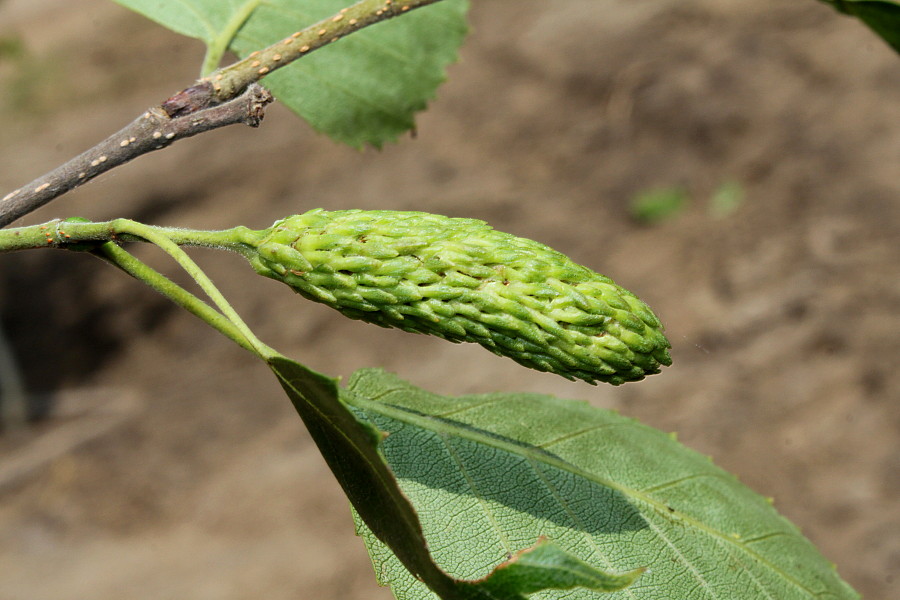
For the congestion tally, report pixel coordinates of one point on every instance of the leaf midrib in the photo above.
(443, 427)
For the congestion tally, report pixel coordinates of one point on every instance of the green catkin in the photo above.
(461, 280)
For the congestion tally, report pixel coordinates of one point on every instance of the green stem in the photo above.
(72, 234)
(99, 237)
(124, 260)
(241, 240)
(159, 238)
(28, 238)
(216, 48)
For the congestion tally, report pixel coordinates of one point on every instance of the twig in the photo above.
(230, 80)
(121, 258)
(218, 45)
(151, 131)
(227, 96)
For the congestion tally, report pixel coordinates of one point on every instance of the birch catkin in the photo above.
(463, 281)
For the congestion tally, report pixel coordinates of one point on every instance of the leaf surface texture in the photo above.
(363, 89)
(491, 474)
(351, 449)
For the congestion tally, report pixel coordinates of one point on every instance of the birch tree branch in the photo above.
(227, 96)
(151, 131)
(232, 79)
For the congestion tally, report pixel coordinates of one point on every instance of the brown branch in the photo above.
(151, 131)
(229, 95)
(230, 80)
(233, 78)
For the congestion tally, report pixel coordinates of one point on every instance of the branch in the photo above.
(225, 97)
(151, 131)
(230, 80)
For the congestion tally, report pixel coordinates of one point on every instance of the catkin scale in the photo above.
(463, 281)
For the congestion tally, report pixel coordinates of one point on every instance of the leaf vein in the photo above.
(477, 494)
(674, 482)
(569, 436)
(201, 18)
(578, 522)
(446, 428)
(698, 576)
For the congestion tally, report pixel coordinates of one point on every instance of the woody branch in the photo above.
(227, 96)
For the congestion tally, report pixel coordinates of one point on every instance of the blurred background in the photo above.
(735, 164)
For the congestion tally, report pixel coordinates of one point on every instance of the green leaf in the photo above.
(351, 449)
(882, 16)
(366, 88)
(546, 566)
(658, 205)
(727, 198)
(363, 89)
(493, 473)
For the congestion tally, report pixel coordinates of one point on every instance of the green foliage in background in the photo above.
(657, 205)
(11, 47)
(727, 198)
(490, 496)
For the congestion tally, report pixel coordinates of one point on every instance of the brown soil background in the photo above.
(169, 465)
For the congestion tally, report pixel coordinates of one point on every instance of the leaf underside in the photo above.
(491, 474)
(363, 89)
(351, 449)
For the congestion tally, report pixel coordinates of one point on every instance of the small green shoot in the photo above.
(727, 198)
(657, 205)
